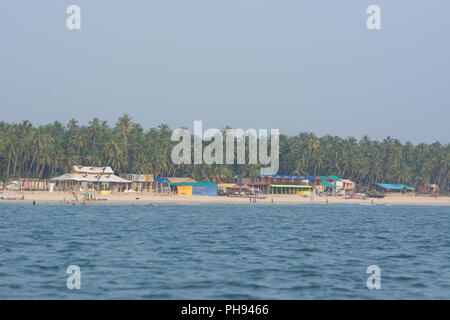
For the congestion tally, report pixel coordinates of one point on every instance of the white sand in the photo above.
(151, 198)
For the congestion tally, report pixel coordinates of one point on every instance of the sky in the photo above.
(271, 64)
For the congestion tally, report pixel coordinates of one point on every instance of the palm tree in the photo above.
(124, 126)
(113, 153)
(94, 127)
(312, 144)
(53, 148)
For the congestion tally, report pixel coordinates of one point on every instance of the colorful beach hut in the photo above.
(204, 188)
(290, 189)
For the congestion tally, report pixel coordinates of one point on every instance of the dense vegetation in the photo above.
(49, 150)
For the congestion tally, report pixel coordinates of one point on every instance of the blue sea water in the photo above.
(224, 251)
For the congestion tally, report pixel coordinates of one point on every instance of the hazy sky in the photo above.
(288, 64)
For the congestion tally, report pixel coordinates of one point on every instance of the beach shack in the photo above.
(173, 181)
(161, 185)
(427, 188)
(27, 184)
(233, 189)
(204, 188)
(227, 189)
(345, 185)
(261, 182)
(393, 188)
(91, 178)
(140, 182)
(315, 182)
(264, 183)
(290, 189)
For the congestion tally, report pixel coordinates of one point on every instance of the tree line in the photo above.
(45, 151)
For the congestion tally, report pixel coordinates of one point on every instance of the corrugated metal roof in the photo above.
(328, 185)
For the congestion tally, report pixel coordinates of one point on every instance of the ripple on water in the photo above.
(224, 252)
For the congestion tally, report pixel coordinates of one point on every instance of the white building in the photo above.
(90, 178)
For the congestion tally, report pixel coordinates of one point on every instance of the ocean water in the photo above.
(224, 251)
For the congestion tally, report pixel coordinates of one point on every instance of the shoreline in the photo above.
(48, 198)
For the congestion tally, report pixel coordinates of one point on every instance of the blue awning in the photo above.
(391, 186)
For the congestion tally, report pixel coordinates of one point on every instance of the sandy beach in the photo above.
(149, 198)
